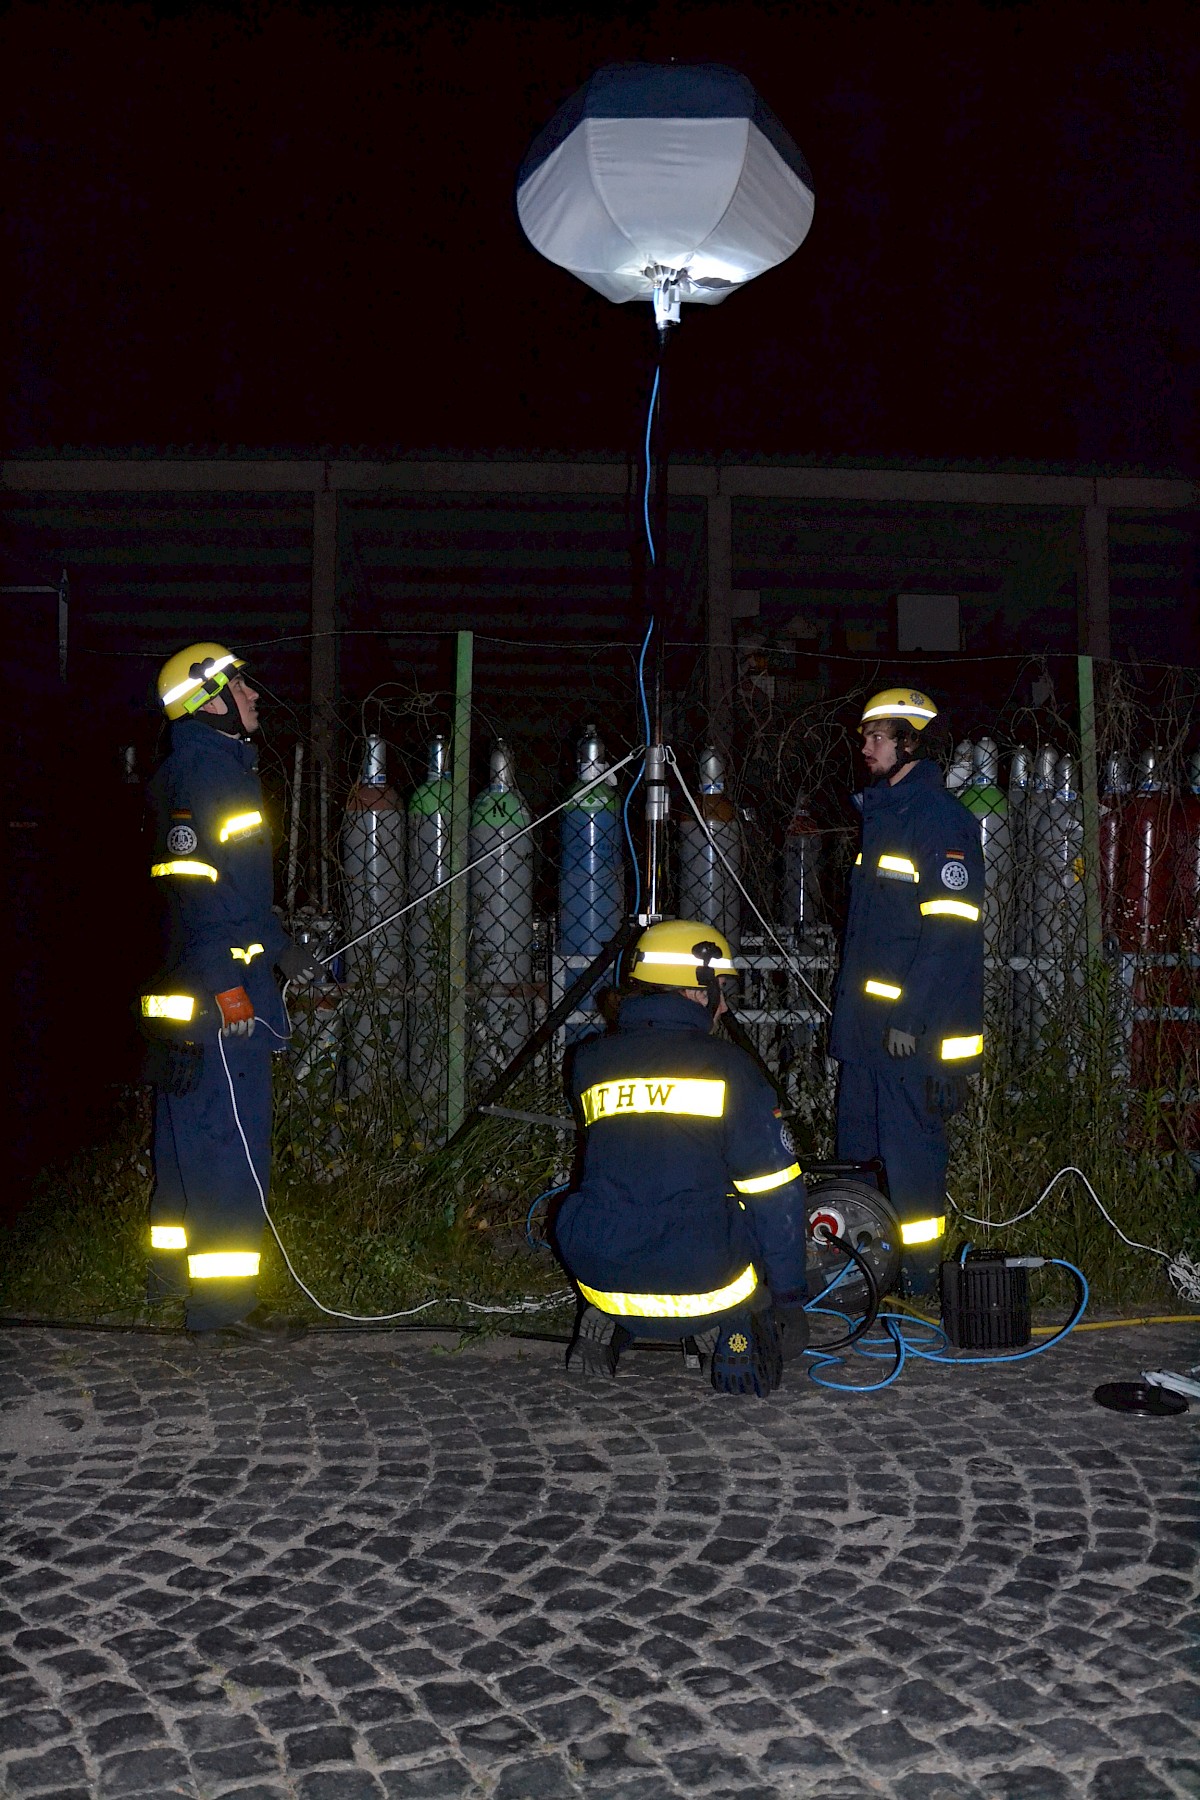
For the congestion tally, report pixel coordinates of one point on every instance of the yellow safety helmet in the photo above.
(910, 704)
(194, 676)
(667, 954)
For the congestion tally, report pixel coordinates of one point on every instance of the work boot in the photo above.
(597, 1344)
(258, 1327)
(748, 1358)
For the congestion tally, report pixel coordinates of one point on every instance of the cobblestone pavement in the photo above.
(356, 1567)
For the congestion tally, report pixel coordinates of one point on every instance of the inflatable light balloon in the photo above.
(665, 182)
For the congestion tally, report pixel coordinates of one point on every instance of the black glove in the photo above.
(792, 1321)
(297, 962)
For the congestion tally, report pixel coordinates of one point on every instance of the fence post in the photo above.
(460, 803)
(1089, 788)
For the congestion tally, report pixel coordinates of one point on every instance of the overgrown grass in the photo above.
(375, 1222)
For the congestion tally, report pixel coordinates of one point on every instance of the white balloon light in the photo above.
(665, 182)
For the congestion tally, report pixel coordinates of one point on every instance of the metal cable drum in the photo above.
(429, 930)
(707, 890)
(373, 874)
(859, 1213)
(501, 914)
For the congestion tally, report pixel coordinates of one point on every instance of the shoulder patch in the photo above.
(787, 1140)
(958, 855)
(181, 840)
(184, 812)
(954, 875)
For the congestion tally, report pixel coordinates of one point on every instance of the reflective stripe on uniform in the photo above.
(954, 909)
(762, 1184)
(882, 990)
(248, 954)
(955, 1049)
(675, 1306)
(653, 1093)
(184, 868)
(168, 1006)
(217, 1264)
(922, 1231)
(168, 1237)
(239, 825)
(898, 868)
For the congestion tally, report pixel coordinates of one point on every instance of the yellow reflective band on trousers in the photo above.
(184, 868)
(882, 990)
(168, 1006)
(239, 825)
(653, 1094)
(675, 1306)
(248, 954)
(762, 1184)
(950, 909)
(168, 1237)
(922, 1231)
(220, 1265)
(955, 1049)
(898, 868)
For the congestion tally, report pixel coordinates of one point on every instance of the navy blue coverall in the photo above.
(212, 858)
(690, 1206)
(912, 960)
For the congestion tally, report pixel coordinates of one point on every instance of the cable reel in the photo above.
(841, 1208)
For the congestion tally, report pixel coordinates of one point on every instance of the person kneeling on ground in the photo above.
(689, 1218)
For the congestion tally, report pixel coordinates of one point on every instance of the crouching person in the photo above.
(689, 1218)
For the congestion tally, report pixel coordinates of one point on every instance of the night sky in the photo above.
(294, 228)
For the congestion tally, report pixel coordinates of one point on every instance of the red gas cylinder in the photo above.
(1146, 873)
(1186, 849)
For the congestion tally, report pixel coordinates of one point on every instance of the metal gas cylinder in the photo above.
(1143, 905)
(1045, 935)
(707, 889)
(501, 915)
(962, 766)
(373, 877)
(591, 868)
(802, 871)
(429, 930)
(984, 797)
(1114, 791)
(1021, 944)
(1187, 859)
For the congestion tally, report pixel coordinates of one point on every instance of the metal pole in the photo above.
(1089, 789)
(657, 799)
(460, 802)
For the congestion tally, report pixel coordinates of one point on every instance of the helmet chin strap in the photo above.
(706, 977)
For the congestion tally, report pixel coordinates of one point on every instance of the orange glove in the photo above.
(237, 1012)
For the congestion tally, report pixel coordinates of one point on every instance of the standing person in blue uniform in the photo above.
(689, 1216)
(218, 1013)
(908, 1012)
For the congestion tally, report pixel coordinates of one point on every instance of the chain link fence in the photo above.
(1088, 802)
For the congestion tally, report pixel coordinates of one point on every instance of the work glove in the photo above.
(899, 1043)
(792, 1321)
(237, 1013)
(297, 962)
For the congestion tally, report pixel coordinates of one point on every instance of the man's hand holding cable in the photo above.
(296, 962)
(237, 1013)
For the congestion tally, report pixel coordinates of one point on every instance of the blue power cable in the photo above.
(900, 1342)
(646, 488)
(547, 1194)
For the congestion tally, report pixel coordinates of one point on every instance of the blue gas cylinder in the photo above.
(591, 871)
